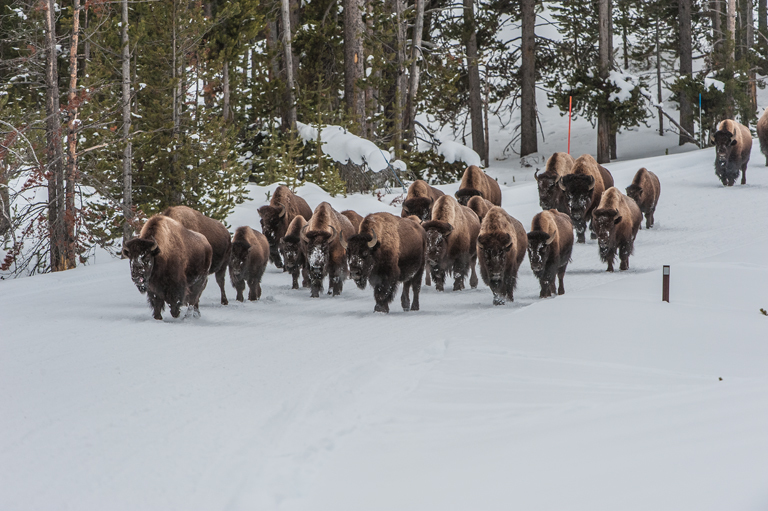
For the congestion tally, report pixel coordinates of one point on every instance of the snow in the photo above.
(605, 398)
(454, 151)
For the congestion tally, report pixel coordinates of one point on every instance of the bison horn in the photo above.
(303, 235)
(154, 246)
(406, 211)
(511, 240)
(560, 184)
(536, 175)
(342, 241)
(479, 245)
(374, 239)
(334, 232)
(549, 240)
(591, 186)
(282, 211)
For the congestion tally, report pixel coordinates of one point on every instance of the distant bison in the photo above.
(501, 248)
(583, 188)
(551, 196)
(476, 182)
(216, 234)
(550, 243)
(451, 242)
(293, 251)
(282, 209)
(762, 134)
(480, 206)
(645, 190)
(420, 199)
(617, 220)
(353, 217)
(388, 250)
(250, 254)
(325, 254)
(733, 145)
(170, 263)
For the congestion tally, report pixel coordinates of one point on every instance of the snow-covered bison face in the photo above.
(605, 228)
(238, 259)
(539, 250)
(318, 245)
(548, 191)
(141, 254)
(437, 242)
(361, 250)
(290, 249)
(420, 207)
(635, 192)
(495, 247)
(724, 144)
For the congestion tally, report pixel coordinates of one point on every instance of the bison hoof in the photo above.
(592, 236)
(224, 301)
(499, 300)
(384, 309)
(157, 317)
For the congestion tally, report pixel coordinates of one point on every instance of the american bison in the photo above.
(216, 234)
(583, 188)
(388, 250)
(501, 248)
(476, 182)
(294, 252)
(250, 254)
(551, 196)
(480, 206)
(325, 254)
(420, 199)
(170, 264)
(762, 134)
(451, 242)
(353, 217)
(282, 209)
(733, 145)
(617, 220)
(550, 243)
(645, 190)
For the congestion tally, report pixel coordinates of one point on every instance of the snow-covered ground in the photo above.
(605, 398)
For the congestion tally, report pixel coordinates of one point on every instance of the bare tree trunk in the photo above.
(659, 97)
(401, 80)
(528, 135)
(72, 170)
(604, 66)
(176, 171)
(413, 86)
(749, 33)
(354, 95)
(717, 26)
(686, 66)
(762, 29)
(288, 55)
(731, 14)
(128, 148)
(225, 86)
(473, 72)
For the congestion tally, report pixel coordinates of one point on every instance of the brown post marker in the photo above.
(665, 285)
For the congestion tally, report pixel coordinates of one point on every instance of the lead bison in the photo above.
(452, 243)
(550, 243)
(762, 134)
(170, 264)
(583, 188)
(733, 145)
(216, 234)
(275, 218)
(617, 220)
(645, 190)
(419, 200)
(325, 254)
(388, 250)
(476, 182)
(551, 196)
(250, 254)
(293, 251)
(501, 248)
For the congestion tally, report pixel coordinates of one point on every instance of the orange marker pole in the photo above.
(570, 106)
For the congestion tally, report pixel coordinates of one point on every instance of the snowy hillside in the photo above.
(605, 398)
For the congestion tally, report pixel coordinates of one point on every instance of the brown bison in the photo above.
(353, 217)
(550, 243)
(420, 199)
(733, 145)
(645, 190)
(480, 206)
(451, 242)
(762, 134)
(617, 220)
(250, 254)
(324, 252)
(583, 188)
(170, 264)
(501, 248)
(476, 182)
(388, 250)
(275, 218)
(294, 252)
(551, 196)
(216, 234)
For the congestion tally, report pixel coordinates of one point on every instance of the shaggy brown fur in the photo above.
(617, 220)
(645, 190)
(293, 251)
(476, 182)
(583, 188)
(762, 134)
(250, 254)
(733, 145)
(325, 254)
(551, 195)
(550, 243)
(501, 248)
(275, 218)
(419, 200)
(353, 217)
(480, 206)
(170, 263)
(451, 242)
(386, 251)
(216, 234)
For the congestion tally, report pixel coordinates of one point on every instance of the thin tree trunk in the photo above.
(86, 45)
(624, 38)
(528, 135)
(128, 147)
(659, 97)
(175, 62)
(762, 28)
(225, 85)
(401, 80)
(717, 26)
(354, 95)
(413, 86)
(686, 66)
(473, 72)
(288, 56)
(749, 33)
(731, 14)
(372, 91)
(604, 66)
(72, 170)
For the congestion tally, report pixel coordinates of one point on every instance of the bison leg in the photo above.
(560, 276)
(625, 249)
(499, 299)
(459, 273)
(254, 290)
(315, 288)
(295, 276)
(744, 174)
(336, 282)
(416, 286)
(510, 282)
(428, 280)
(383, 294)
(405, 299)
(220, 280)
(157, 304)
(580, 228)
(274, 257)
(438, 276)
(473, 277)
(176, 308)
(239, 287)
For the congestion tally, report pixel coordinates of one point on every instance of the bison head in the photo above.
(605, 221)
(548, 189)
(539, 249)
(635, 192)
(141, 253)
(238, 259)
(291, 250)
(420, 207)
(494, 247)
(438, 233)
(317, 245)
(578, 189)
(724, 146)
(361, 249)
(465, 194)
(273, 227)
